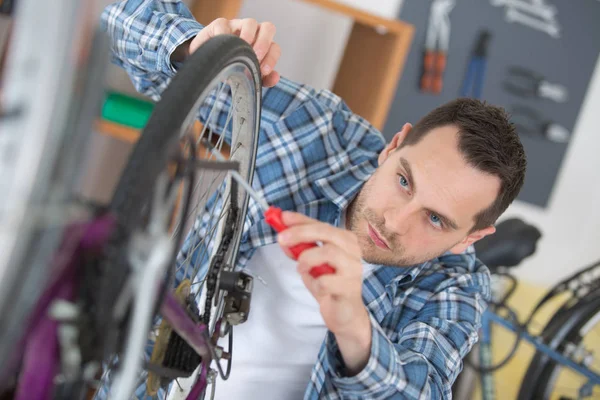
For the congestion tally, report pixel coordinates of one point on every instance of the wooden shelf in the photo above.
(361, 16)
(206, 11)
(373, 60)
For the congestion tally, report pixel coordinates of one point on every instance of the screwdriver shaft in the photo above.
(236, 175)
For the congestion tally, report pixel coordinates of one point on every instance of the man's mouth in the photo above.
(376, 238)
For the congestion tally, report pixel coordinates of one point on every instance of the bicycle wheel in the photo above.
(50, 99)
(220, 83)
(575, 333)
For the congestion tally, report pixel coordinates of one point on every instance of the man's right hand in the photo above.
(259, 36)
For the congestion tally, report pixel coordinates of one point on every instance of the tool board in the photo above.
(568, 60)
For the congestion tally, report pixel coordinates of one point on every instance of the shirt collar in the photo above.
(341, 187)
(400, 275)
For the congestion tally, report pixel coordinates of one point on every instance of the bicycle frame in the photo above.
(488, 318)
(41, 355)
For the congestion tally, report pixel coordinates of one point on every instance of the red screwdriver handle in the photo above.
(273, 218)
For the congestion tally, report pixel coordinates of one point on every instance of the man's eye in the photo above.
(403, 182)
(435, 221)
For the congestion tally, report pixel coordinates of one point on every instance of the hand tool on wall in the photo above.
(529, 121)
(524, 82)
(474, 78)
(539, 9)
(535, 14)
(436, 46)
(273, 217)
(550, 27)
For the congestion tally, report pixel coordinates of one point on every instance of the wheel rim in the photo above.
(243, 119)
(564, 383)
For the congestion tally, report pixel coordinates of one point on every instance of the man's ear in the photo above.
(394, 144)
(472, 238)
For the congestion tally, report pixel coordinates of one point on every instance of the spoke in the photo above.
(197, 185)
(205, 248)
(208, 191)
(228, 119)
(200, 200)
(210, 234)
(210, 114)
(232, 151)
(187, 261)
(219, 146)
(202, 241)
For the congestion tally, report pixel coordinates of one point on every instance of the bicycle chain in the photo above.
(95, 347)
(180, 358)
(216, 264)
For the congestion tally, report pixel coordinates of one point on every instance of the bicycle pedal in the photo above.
(171, 356)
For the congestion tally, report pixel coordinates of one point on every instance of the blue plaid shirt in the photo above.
(314, 155)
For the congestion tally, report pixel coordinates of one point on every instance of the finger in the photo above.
(309, 283)
(291, 218)
(220, 26)
(320, 232)
(270, 60)
(248, 28)
(340, 260)
(271, 80)
(287, 252)
(331, 285)
(264, 38)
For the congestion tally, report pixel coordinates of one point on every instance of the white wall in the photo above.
(312, 41)
(571, 223)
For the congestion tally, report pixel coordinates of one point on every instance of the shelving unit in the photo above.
(206, 11)
(373, 60)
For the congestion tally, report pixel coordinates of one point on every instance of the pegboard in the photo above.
(568, 60)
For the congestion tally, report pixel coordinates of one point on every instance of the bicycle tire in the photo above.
(563, 327)
(140, 172)
(162, 132)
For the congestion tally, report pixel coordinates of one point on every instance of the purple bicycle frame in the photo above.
(39, 348)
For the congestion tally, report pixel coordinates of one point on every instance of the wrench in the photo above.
(513, 15)
(540, 9)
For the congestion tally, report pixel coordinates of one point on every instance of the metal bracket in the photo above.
(239, 292)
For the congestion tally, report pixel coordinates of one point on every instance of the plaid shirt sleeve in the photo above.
(419, 359)
(144, 34)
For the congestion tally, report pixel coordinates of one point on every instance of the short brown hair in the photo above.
(488, 141)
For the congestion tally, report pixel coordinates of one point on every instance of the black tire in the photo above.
(149, 158)
(563, 328)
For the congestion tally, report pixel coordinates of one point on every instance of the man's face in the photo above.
(421, 201)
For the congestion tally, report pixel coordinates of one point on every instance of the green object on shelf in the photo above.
(126, 110)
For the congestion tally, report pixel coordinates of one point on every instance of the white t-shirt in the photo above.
(275, 350)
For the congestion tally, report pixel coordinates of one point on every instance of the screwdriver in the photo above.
(273, 217)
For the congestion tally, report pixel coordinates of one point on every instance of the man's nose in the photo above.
(400, 219)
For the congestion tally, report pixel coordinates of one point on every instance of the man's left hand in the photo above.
(339, 294)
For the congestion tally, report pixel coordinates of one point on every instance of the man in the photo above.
(397, 222)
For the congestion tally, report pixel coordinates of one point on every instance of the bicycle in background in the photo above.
(566, 364)
(86, 288)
